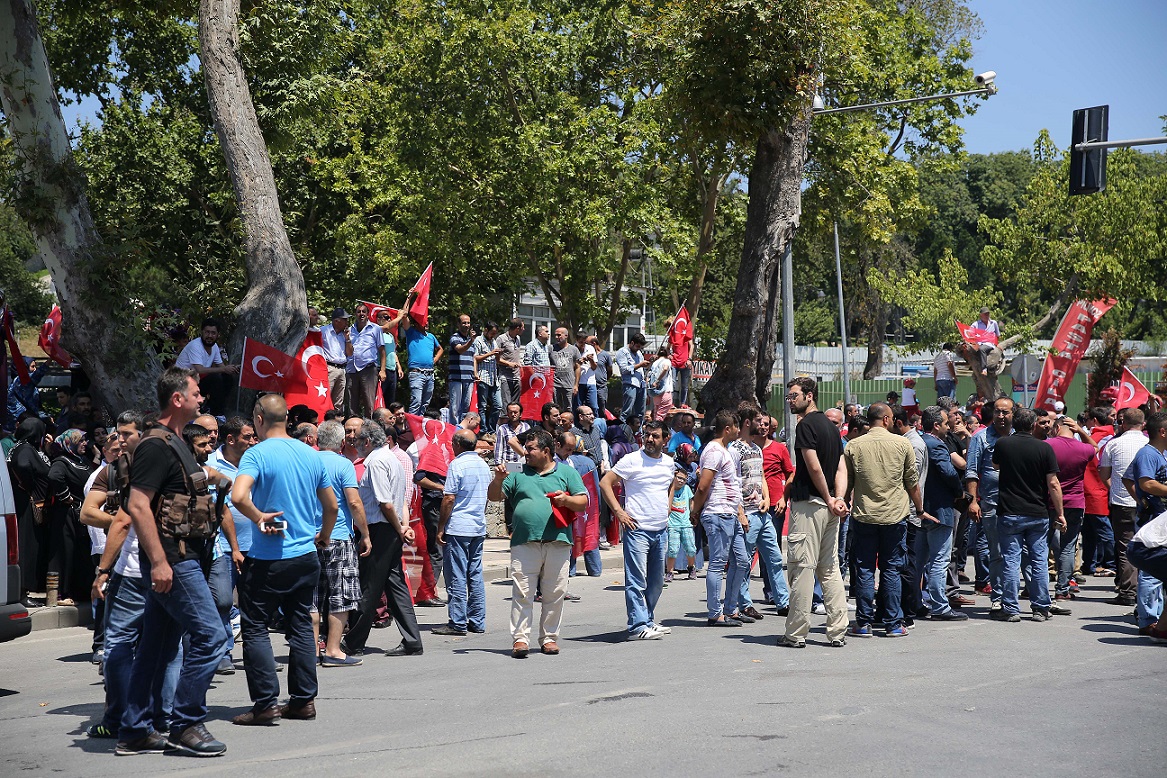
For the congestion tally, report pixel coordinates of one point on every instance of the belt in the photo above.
(336, 364)
(421, 370)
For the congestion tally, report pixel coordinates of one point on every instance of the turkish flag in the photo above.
(585, 531)
(538, 387)
(50, 339)
(435, 443)
(375, 309)
(264, 368)
(974, 335)
(474, 397)
(680, 335)
(8, 326)
(308, 383)
(1131, 392)
(420, 310)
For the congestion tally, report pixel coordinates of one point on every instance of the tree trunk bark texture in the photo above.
(771, 218)
(52, 202)
(275, 308)
(875, 340)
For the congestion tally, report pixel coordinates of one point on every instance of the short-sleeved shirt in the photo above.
(587, 375)
(603, 367)
(195, 354)
(287, 474)
(679, 437)
(660, 377)
(816, 432)
(1023, 462)
(747, 458)
(384, 481)
(778, 467)
(156, 468)
(679, 508)
(502, 437)
(1118, 455)
(881, 468)
(646, 488)
(564, 359)
(367, 345)
(468, 479)
(343, 476)
(461, 365)
(332, 342)
(1073, 457)
(528, 509)
(390, 342)
(944, 366)
(487, 368)
(1148, 463)
(536, 354)
(421, 347)
(725, 492)
(512, 351)
(243, 525)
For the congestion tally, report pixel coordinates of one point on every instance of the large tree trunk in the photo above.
(52, 201)
(771, 218)
(275, 308)
(875, 340)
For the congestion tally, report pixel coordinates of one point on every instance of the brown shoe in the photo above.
(305, 712)
(959, 601)
(261, 718)
(550, 649)
(520, 650)
(752, 612)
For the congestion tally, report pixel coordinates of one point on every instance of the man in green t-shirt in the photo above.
(540, 545)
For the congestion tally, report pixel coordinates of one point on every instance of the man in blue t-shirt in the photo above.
(424, 351)
(1147, 475)
(339, 590)
(282, 486)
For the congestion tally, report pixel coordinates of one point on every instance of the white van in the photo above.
(14, 619)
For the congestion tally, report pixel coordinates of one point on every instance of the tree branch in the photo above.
(1071, 288)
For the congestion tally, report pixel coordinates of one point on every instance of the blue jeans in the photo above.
(933, 553)
(187, 607)
(644, 574)
(268, 587)
(1029, 532)
(465, 588)
(682, 377)
(632, 402)
(222, 582)
(993, 555)
(587, 395)
(763, 539)
(886, 543)
(489, 405)
(421, 390)
(460, 392)
(593, 563)
(1064, 545)
(1152, 566)
(1097, 542)
(727, 546)
(125, 604)
(945, 388)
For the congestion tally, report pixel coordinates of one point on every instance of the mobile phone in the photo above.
(275, 525)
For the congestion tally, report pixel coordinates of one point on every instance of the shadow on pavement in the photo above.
(603, 637)
(76, 657)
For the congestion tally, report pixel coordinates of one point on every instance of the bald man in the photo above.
(282, 486)
(461, 533)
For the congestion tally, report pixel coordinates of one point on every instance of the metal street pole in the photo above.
(787, 284)
(842, 322)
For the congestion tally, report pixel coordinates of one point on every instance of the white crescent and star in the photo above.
(255, 366)
(1127, 385)
(542, 382)
(308, 354)
(682, 325)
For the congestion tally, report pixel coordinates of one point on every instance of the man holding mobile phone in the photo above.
(283, 487)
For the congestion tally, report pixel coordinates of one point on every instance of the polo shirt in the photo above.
(528, 509)
(467, 480)
(461, 365)
(343, 476)
(421, 347)
(1118, 455)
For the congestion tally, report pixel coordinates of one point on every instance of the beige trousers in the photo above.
(812, 548)
(544, 564)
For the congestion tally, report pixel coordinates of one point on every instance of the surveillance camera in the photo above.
(986, 78)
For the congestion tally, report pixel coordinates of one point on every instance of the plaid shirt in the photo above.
(502, 449)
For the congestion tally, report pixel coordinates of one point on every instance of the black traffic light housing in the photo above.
(1088, 168)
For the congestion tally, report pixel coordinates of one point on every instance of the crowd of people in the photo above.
(207, 530)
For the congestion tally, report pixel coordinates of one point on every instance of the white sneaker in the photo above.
(648, 633)
(850, 606)
(819, 610)
(663, 630)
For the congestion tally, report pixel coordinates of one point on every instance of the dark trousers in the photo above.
(563, 398)
(1152, 561)
(910, 598)
(389, 387)
(1126, 577)
(362, 390)
(216, 388)
(269, 587)
(98, 607)
(884, 545)
(431, 514)
(601, 400)
(381, 573)
(1097, 543)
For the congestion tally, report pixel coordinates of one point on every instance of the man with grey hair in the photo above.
(461, 534)
(306, 433)
(383, 488)
(339, 590)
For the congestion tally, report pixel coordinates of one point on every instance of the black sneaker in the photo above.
(1000, 614)
(196, 741)
(950, 615)
(101, 731)
(154, 743)
(446, 629)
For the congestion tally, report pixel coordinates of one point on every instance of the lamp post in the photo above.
(987, 87)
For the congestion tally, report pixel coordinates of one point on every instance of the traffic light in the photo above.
(1088, 168)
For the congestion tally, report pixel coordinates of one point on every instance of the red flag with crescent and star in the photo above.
(264, 368)
(1131, 392)
(538, 387)
(973, 335)
(435, 443)
(50, 339)
(308, 384)
(585, 531)
(375, 309)
(680, 335)
(420, 310)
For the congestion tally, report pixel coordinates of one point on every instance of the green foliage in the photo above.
(1109, 359)
(24, 294)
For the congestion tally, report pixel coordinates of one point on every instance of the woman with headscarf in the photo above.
(29, 468)
(68, 538)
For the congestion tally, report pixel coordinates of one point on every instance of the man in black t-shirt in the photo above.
(816, 505)
(1029, 483)
(179, 600)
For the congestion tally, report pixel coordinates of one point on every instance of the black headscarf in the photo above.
(33, 429)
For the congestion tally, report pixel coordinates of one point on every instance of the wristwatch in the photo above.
(104, 571)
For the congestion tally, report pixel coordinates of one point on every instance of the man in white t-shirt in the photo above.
(646, 475)
(944, 372)
(204, 357)
(586, 392)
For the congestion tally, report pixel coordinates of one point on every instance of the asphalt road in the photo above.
(1079, 695)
